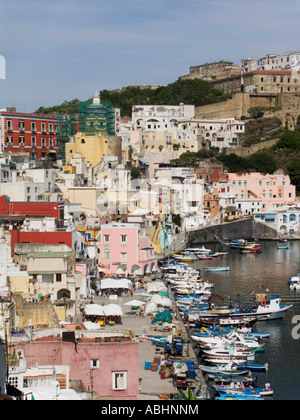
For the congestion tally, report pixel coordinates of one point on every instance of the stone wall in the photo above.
(243, 229)
(288, 107)
(40, 313)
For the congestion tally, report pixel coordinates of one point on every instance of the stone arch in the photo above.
(136, 269)
(63, 294)
(283, 228)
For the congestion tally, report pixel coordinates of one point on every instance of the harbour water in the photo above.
(255, 273)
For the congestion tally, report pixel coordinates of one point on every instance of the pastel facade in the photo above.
(286, 221)
(91, 147)
(52, 271)
(123, 251)
(266, 191)
(106, 364)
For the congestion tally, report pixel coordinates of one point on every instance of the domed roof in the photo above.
(96, 98)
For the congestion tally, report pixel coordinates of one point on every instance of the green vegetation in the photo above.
(192, 92)
(258, 162)
(289, 140)
(70, 107)
(192, 159)
(294, 173)
(135, 173)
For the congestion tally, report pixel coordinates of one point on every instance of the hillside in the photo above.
(192, 92)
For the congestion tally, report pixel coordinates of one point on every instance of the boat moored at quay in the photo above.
(243, 314)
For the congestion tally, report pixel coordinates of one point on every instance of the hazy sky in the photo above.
(64, 49)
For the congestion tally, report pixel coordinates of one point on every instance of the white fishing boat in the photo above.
(201, 250)
(295, 283)
(267, 308)
(229, 369)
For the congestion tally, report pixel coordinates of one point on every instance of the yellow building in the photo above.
(91, 147)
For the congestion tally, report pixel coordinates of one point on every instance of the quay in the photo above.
(152, 387)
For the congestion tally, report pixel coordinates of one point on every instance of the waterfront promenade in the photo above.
(152, 386)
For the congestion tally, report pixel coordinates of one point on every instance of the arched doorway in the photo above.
(63, 294)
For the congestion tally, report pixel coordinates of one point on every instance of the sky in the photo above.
(59, 50)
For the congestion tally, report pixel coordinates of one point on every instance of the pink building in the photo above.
(106, 365)
(263, 190)
(123, 251)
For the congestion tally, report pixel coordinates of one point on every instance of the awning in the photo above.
(115, 284)
(94, 310)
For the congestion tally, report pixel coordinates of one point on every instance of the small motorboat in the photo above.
(260, 392)
(229, 369)
(282, 247)
(217, 269)
(250, 248)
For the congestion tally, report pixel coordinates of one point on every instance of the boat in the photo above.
(297, 277)
(202, 250)
(295, 283)
(250, 248)
(282, 247)
(260, 392)
(185, 258)
(226, 321)
(253, 367)
(217, 269)
(239, 397)
(233, 338)
(229, 369)
(204, 257)
(267, 308)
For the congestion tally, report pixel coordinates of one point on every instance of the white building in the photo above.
(287, 61)
(160, 117)
(221, 133)
(286, 222)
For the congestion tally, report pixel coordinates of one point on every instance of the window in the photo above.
(21, 141)
(106, 254)
(51, 127)
(14, 381)
(21, 125)
(33, 141)
(50, 142)
(123, 239)
(43, 143)
(43, 127)
(58, 278)
(33, 126)
(123, 257)
(94, 363)
(106, 239)
(9, 141)
(9, 125)
(119, 381)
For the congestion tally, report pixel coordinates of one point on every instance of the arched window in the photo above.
(106, 254)
(82, 141)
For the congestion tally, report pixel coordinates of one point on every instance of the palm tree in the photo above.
(191, 394)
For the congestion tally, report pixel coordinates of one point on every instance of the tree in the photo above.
(176, 218)
(294, 173)
(135, 173)
(256, 112)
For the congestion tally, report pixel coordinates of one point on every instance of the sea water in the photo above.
(254, 273)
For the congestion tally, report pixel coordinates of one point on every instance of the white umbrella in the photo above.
(115, 284)
(94, 309)
(112, 310)
(135, 303)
